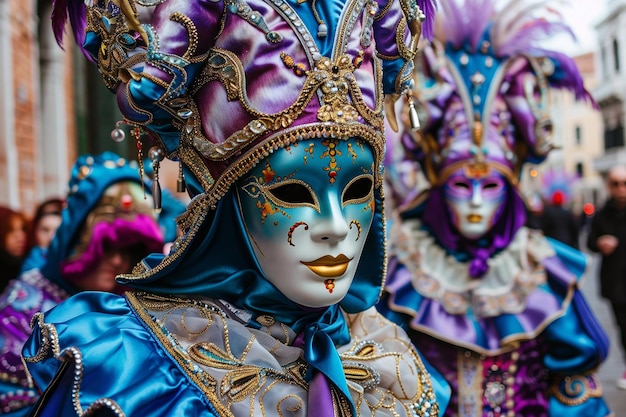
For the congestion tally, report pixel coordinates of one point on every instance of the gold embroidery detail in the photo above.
(113, 60)
(334, 80)
(192, 33)
(574, 390)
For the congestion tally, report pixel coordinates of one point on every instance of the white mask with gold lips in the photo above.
(307, 210)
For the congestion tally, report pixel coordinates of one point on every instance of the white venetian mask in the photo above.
(308, 210)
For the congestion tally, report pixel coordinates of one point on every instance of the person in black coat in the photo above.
(558, 222)
(607, 236)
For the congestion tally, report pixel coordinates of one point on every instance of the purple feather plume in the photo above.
(515, 27)
(76, 12)
(428, 7)
(568, 76)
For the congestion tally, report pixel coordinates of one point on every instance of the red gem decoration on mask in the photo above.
(126, 203)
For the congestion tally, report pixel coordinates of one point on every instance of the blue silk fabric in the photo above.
(119, 358)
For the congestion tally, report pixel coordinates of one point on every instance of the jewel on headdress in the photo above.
(180, 183)
(156, 155)
(118, 134)
(477, 169)
(84, 172)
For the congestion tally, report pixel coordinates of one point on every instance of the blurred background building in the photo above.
(578, 130)
(52, 107)
(610, 91)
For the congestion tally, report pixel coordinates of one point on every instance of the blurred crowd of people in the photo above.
(25, 237)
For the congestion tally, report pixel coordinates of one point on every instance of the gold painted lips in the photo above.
(328, 266)
(474, 218)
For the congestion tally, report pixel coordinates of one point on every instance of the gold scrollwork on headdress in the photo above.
(114, 56)
(334, 80)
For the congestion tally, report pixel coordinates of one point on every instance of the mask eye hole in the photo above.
(359, 190)
(292, 194)
(461, 184)
(493, 186)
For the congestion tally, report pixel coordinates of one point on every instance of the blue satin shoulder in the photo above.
(120, 360)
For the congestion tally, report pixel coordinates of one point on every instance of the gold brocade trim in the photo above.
(245, 162)
(353, 12)
(240, 381)
(383, 10)
(207, 384)
(357, 369)
(196, 164)
(403, 76)
(403, 50)
(333, 79)
(501, 168)
(192, 33)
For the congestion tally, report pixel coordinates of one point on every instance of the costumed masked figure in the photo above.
(494, 306)
(107, 227)
(265, 304)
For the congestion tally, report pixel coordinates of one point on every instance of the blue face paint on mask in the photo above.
(307, 210)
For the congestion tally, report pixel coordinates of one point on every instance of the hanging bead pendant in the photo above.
(322, 30)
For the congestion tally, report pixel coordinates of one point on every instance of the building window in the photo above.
(614, 138)
(578, 135)
(616, 55)
(580, 169)
(605, 72)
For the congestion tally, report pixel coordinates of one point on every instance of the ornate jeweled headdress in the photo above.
(219, 104)
(485, 86)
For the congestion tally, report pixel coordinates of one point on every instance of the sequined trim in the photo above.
(350, 16)
(299, 28)
(49, 345)
(73, 356)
